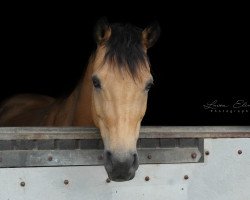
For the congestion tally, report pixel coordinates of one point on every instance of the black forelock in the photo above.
(124, 47)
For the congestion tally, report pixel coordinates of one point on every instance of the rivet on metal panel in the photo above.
(108, 180)
(239, 152)
(50, 158)
(66, 182)
(193, 155)
(147, 178)
(207, 153)
(22, 184)
(186, 177)
(149, 156)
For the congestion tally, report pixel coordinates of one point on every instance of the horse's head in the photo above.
(121, 81)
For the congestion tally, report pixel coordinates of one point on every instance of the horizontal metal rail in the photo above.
(44, 133)
(35, 158)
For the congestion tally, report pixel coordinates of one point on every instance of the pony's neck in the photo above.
(81, 100)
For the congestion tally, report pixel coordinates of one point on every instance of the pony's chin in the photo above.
(120, 178)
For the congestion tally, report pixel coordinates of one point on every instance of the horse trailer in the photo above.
(176, 163)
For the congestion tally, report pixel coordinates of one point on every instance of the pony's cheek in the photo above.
(95, 116)
(104, 133)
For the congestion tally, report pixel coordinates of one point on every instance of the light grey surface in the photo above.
(32, 158)
(38, 133)
(225, 175)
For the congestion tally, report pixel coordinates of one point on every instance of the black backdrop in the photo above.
(202, 56)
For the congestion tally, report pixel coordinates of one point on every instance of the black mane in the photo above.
(124, 47)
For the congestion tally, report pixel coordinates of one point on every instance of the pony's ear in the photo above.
(151, 34)
(102, 31)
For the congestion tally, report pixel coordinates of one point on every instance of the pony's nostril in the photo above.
(109, 154)
(135, 162)
(135, 156)
(109, 157)
(108, 161)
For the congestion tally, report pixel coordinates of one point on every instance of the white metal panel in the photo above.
(225, 175)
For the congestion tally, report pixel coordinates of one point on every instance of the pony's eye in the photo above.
(148, 86)
(96, 82)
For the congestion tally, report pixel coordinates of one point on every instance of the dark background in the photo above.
(201, 56)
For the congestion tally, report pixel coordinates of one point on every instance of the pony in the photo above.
(111, 95)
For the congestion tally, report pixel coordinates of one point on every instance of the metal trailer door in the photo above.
(177, 163)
